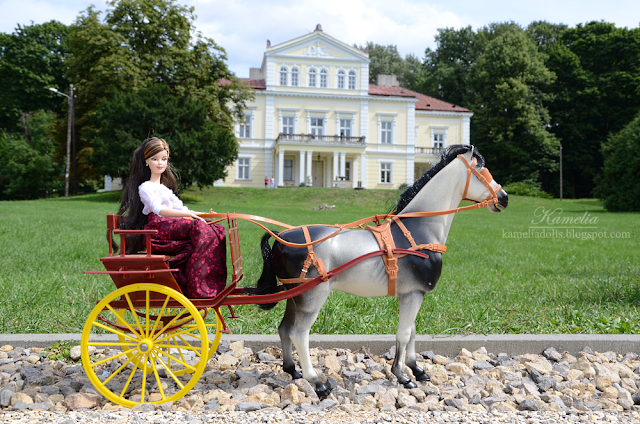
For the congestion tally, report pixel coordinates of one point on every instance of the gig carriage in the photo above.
(146, 342)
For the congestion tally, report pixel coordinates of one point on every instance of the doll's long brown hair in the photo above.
(130, 204)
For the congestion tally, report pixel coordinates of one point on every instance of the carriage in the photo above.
(146, 342)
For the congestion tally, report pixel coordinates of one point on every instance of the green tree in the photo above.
(386, 60)
(510, 120)
(201, 148)
(140, 43)
(619, 184)
(446, 69)
(29, 170)
(597, 93)
(31, 60)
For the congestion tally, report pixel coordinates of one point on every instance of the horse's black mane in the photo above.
(449, 154)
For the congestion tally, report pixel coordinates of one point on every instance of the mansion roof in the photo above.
(426, 103)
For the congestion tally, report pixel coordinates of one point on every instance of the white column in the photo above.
(466, 132)
(335, 166)
(343, 159)
(301, 173)
(280, 168)
(411, 141)
(337, 123)
(363, 170)
(309, 175)
(354, 172)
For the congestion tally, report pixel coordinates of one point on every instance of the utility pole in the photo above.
(73, 140)
(70, 124)
(561, 173)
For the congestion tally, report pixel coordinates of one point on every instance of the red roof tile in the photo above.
(256, 84)
(424, 102)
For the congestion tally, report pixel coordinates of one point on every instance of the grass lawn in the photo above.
(494, 280)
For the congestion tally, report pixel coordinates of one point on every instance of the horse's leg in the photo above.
(411, 357)
(409, 305)
(308, 306)
(284, 330)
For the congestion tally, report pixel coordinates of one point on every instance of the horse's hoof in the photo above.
(410, 385)
(294, 374)
(421, 376)
(323, 393)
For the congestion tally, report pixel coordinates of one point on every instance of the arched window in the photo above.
(341, 74)
(295, 77)
(312, 77)
(352, 80)
(324, 78)
(283, 75)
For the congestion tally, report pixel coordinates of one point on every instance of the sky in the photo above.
(242, 27)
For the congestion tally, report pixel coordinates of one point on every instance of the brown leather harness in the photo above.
(382, 232)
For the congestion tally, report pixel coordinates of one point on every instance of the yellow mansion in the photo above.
(316, 119)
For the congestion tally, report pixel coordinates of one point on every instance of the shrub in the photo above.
(618, 184)
(524, 188)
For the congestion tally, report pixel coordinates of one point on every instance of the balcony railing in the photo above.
(327, 139)
(431, 151)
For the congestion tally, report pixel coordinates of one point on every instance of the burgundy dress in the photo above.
(198, 249)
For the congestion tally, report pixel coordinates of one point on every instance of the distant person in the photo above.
(266, 181)
(273, 182)
(150, 203)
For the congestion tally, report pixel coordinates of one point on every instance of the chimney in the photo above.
(255, 74)
(319, 27)
(388, 80)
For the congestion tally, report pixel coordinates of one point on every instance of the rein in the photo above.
(484, 176)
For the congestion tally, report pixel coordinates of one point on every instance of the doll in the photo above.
(149, 202)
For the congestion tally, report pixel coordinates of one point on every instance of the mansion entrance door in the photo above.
(317, 173)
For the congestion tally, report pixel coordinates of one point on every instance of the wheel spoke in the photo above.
(110, 344)
(135, 367)
(169, 324)
(168, 370)
(147, 315)
(117, 371)
(112, 330)
(155, 372)
(144, 373)
(179, 333)
(135, 316)
(111, 358)
(123, 320)
(159, 316)
(193, 348)
(190, 368)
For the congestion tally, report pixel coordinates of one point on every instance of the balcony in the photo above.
(322, 139)
(429, 151)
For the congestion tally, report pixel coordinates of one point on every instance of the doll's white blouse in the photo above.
(156, 197)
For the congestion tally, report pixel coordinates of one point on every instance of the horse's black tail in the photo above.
(267, 284)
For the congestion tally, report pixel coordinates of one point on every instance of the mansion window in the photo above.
(345, 127)
(347, 171)
(244, 130)
(244, 166)
(287, 125)
(284, 73)
(385, 172)
(438, 140)
(288, 170)
(317, 126)
(386, 132)
(324, 77)
(295, 77)
(341, 78)
(352, 80)
(312, 77)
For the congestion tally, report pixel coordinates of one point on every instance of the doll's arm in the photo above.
(176, 213)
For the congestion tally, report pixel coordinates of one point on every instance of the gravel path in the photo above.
(241, 386)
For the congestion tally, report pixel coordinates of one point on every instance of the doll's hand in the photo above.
(194, 216)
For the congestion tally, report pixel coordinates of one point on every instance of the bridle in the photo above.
(485, 178)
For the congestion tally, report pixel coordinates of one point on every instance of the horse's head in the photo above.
(480, 186)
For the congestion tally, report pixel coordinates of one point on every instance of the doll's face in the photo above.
(158, 162)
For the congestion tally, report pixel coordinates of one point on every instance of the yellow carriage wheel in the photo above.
(161, 349)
